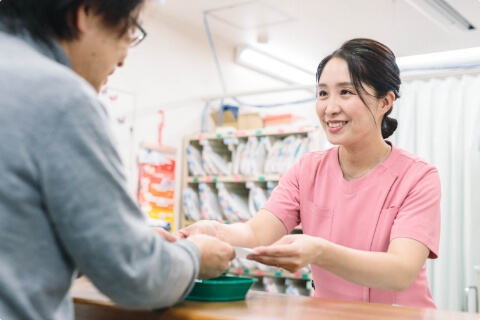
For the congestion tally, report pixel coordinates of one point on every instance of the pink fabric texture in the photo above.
(399, 198)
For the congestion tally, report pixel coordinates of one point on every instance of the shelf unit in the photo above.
(301, 281)
(234, 178)
(273, 274)
(225, 145)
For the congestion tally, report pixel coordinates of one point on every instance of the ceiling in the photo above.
(304, 31)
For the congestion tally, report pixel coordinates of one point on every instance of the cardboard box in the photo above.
(247, 121)
(276, 119)
(228, 120)
(234, 119)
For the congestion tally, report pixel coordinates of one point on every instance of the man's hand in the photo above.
(215, 255)
(170, 237)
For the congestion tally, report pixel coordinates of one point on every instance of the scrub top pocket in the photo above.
(316, 221)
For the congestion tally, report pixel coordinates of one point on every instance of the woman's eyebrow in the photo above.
(340, 84)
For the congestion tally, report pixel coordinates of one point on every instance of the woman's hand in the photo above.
(207, 227)
(291, 252)
(241, 234)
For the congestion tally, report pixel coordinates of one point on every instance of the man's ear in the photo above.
(83, 16)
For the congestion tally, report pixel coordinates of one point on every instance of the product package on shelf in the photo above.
(194, 161)
(257, 196)
(252, 161)
(156, 185)
(209, 204)
(213, 163)
(274, 279)
(234, 202)
(296, 287)
(191, 204)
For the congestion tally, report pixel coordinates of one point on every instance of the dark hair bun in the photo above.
(389, 125)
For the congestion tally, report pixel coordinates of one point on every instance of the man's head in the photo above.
(95, 34)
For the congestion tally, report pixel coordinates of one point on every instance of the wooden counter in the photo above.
(92, 305)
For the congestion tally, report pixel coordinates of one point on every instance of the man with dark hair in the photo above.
(64, 201)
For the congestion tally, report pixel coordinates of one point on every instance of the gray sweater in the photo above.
(64, 199)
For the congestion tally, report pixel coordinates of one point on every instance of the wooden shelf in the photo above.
(256, 132)
(235, 178)
(273, 274)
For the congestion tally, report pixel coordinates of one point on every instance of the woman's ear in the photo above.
(387, 102)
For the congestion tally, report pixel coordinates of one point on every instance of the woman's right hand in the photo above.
(207, 227)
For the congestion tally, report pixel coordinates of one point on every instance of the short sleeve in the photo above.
(418, 217)
(284, 202)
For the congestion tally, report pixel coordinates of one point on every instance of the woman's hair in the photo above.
(373, 64)
(46, 18)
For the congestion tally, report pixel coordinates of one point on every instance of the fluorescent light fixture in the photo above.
(441, 60)
(273, 67)
(440, 12)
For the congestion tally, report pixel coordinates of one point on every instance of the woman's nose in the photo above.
(332, 105)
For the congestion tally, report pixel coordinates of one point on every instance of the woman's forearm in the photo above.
(392, 270)
(261, 230)
(238, 234)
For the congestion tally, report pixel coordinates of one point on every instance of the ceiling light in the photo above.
(273, 67)
(441, 60)
(440, 12)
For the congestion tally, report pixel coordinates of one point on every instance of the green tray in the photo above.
(223, 288)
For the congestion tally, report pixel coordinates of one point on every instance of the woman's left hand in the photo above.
(291, 252)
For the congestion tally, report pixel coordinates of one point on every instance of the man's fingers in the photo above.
(165, 234)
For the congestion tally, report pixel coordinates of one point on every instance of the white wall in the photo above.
(173, 69)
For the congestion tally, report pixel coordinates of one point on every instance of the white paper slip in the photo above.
(242, 253)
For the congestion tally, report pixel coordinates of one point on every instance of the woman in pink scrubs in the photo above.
(369, 211)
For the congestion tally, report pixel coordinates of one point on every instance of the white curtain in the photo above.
(439, 120)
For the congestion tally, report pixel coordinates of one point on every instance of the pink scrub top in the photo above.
(399, 198)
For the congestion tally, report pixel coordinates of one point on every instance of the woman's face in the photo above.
(343, 115)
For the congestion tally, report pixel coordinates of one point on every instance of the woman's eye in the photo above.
(322, 93)
(347, 91)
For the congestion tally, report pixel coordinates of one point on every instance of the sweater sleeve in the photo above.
(97, 221)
